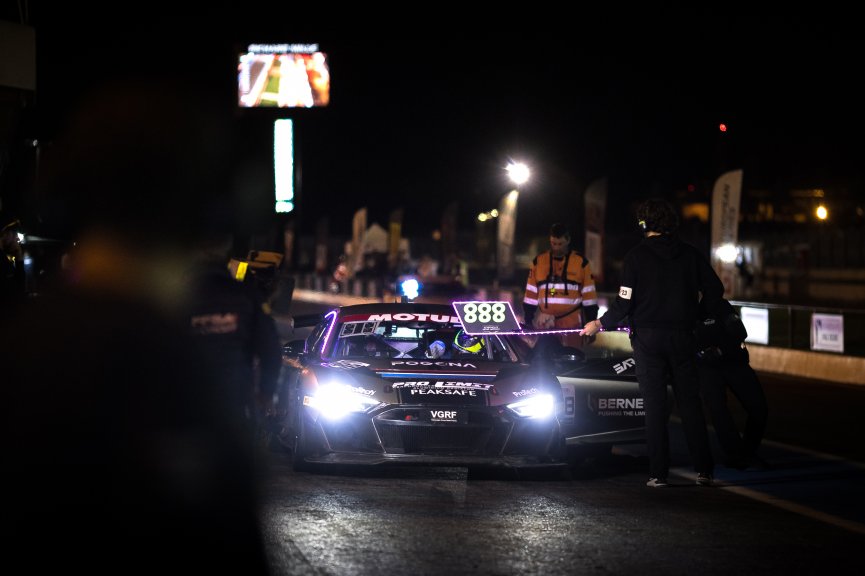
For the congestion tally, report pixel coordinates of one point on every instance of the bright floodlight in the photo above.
(518, 172)
(727, 253)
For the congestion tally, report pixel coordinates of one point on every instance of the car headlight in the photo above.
(334, 401)
(538, 406)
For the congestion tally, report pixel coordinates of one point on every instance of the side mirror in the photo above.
(570, 354)
(293, 348)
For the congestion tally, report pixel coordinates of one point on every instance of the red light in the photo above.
(722, 127)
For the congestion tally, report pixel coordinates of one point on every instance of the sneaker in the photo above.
(704, 479)
(656, 482)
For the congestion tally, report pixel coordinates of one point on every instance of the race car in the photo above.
(414, 383)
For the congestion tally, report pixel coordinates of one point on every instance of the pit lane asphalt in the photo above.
(801, 514)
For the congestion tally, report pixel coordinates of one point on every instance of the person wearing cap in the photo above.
(560, 290)
(12, 278)
(664, 283)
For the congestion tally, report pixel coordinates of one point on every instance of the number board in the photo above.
(487, 317)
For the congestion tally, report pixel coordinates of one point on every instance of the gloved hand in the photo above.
(543, 321)
(436, 349)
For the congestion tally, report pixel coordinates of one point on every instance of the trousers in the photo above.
(667, 357)
(737, 377)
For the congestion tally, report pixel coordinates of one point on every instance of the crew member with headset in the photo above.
(560, 291)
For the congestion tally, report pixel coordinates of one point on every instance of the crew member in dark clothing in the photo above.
(724, 364)
(106, 385)
(238, 339)
(12, 282)
(663, 279)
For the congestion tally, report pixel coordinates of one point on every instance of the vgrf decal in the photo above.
(443, 415)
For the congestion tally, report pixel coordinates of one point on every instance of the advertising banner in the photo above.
(756, 321)
(596, 207)
(358, 229)
(827, 332)
(507, 224)
(726, 196)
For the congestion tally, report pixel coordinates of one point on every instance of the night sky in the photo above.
(423, 115)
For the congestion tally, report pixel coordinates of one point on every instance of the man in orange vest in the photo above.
(560, 291)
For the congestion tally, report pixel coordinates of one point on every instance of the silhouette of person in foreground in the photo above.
(116, 438)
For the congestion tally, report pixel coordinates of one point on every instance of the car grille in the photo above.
(481, 434)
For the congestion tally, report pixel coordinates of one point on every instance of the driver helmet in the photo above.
(468, 343)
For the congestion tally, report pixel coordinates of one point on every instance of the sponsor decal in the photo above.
(442, 384)
(406, 317)
(617, 406)
(520, 393)
(215, 323)
(443, 392)
(624, 365)
(443, 415)
(487, 317)
(625, 292)
(570, 400)
(361, 390)
(345, 364)
(441, 363)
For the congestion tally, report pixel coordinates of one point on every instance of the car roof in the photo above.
(396, 307)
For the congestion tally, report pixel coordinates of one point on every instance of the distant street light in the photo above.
(518, 173)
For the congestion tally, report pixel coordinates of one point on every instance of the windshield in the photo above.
(393, 339)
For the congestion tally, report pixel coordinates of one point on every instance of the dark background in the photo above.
(429, 107)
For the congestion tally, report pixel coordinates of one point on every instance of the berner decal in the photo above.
(620, 407)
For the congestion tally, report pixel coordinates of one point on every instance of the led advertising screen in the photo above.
(283, 76)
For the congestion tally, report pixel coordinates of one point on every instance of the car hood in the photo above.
(383, 376)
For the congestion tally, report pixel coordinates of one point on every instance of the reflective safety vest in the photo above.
(560, 286)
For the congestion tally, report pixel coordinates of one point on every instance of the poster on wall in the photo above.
(827, 332)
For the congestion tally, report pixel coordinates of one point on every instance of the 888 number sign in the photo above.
(486, 317)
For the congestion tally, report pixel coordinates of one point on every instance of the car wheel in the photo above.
(579, 454)
(299, 448)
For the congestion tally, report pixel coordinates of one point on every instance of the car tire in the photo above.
(579, 454)
(299, 448)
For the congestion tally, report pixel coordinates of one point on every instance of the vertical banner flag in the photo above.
(394, 236)
(449, 241)
(358, 229)
(596, 207)
(321, 240)
(507, 224)
(725, 227)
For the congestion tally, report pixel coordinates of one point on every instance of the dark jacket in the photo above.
(720, 336)
(662, 280)
(233, 331)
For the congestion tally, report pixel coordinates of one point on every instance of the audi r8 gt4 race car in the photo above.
(414, 383)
